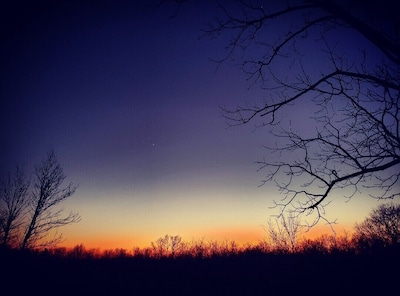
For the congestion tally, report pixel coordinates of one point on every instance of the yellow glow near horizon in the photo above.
(208, 214)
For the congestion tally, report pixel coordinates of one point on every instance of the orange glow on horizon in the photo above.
(319, 230)
(242, 236)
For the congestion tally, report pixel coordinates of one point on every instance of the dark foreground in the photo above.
(243, 274)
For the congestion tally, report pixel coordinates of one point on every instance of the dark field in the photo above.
(239, 274)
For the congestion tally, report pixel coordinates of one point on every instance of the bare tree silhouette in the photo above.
(380, 229)
(47, 194)
(169, 245)
(284, 232)
(339, 59)
(13, 205)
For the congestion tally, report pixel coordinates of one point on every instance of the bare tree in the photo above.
(160, 246)
(177, 245)
(169, 245)
(339, 59)
(381, 228)
(284, 232)
(47, 194)
(13, 205)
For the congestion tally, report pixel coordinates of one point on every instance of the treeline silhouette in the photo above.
(203, 249)
(361, 263)
(334, 264)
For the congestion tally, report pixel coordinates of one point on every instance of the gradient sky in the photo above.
(129, 101)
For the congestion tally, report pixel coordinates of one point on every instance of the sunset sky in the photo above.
(129, 100)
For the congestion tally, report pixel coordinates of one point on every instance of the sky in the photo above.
(128, 98)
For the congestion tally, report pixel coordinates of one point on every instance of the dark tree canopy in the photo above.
(331, 75)
(381, 228)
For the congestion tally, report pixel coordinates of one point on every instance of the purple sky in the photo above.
(128, 99)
